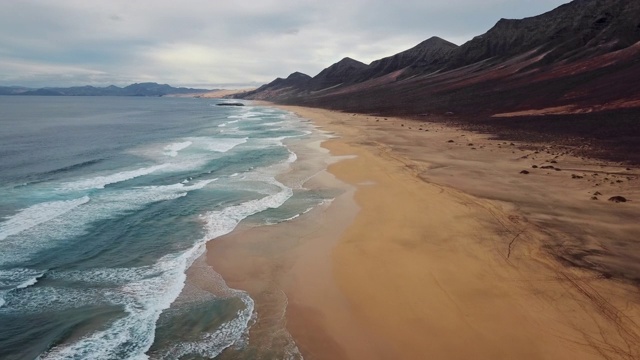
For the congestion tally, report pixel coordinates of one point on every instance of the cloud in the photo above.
(70, 42)
(36, 74)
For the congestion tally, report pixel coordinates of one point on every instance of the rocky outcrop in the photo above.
(618, 199)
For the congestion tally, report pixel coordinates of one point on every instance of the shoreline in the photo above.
(286, 269)
(429, 266)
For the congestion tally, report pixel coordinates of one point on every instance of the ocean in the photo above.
(105, 204)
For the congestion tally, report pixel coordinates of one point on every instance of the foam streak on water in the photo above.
(225, 144)
(74, 221)
(37, 214)
(172, 149)
(212, 344)
(99, 182)
(17, 279)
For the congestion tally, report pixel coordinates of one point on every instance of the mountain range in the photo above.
(582, 56)
(138, 89)
(572, 72)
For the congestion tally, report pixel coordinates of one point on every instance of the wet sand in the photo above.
(442, 249)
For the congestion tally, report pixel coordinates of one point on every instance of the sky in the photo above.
(223, 44)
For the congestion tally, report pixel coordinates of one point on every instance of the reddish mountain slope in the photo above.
(580, 58)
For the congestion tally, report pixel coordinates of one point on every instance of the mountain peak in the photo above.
(298, 76)
(350, 62)
(579, 29)
(337, 73)
(435, 42)
(428, 55)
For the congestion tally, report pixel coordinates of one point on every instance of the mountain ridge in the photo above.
(574, 55)
(430, 54)
(136, 89)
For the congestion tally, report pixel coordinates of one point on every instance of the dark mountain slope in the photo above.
(430, 55)
(606, 81)
(343, 71)
(279, 88)
(575, 30)
(582, 56)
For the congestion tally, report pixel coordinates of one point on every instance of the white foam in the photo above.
(99, 182)
(223, 145)
(211, 345)
(248, 115)
(13, 278)
(283, 220)
(273, 123)
(172, 149)
(17, 278)
(29, 282)
(38, 214)
(224, 124)
(22, 246)
(145, 292)
(153, 289)
(221, 222)
(292, 157)
(143, 300)
(275, 141)
(179, 188)
(111, 276)
(34, 300)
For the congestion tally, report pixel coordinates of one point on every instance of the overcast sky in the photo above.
(211, 44)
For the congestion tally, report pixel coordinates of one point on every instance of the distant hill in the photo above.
(141, 89)
(12, 90)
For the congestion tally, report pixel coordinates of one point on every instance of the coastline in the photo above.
(413, 259)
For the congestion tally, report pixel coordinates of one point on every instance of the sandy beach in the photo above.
(438, 246)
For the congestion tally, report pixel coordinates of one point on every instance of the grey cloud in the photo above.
(205, 42)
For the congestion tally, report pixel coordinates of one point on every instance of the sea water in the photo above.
(106, 202)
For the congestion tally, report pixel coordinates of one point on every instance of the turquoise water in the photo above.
(106, 202)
